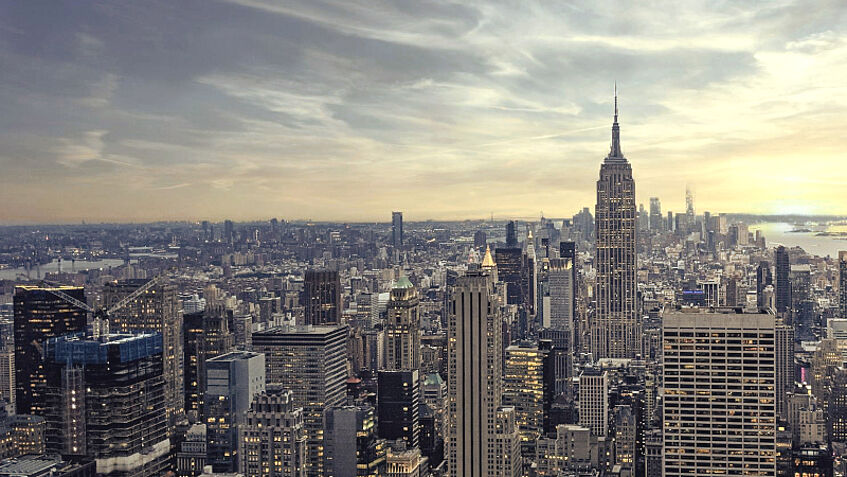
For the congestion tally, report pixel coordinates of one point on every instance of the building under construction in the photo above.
(105, 398)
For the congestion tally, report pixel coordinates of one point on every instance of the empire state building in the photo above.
(615, 332)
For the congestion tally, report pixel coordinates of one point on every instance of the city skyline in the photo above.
(124, 113)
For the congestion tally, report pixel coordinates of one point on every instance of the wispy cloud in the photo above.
(346, 110)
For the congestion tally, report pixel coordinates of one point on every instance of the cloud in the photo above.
(443, 109)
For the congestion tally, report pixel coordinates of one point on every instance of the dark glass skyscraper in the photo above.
(511, 234)
(397, 229)
(398, 398)
(615, 332)
(40, 315)
(322, 297)
(509, 270)
(783, 283)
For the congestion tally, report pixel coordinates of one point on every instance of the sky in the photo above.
(346, 110)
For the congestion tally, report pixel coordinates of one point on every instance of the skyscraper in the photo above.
(40, 315)
(273, 439)
(156, 309)
(397, 229)
(594, 401)
(656, 218)
(783, 283)
(206, 335)
(842, 283)
(763, 279)
(475, 381)
(561, 278)
(398, 400)
(107, 401)
(311, 362)
(229, 232)
(511, 234)
(352, 447)
(509, 263)
(233, 380)
(322, 297)
(402, 327)
(719, 394)
(615, 333)
(784, 366)
(524, 388)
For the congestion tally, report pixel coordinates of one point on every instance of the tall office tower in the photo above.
(584, 223)
(106, 399)
(322, 297)
(783, 284)
(559, 362)
(825, 359)
(273, 437)
(506, 445)
(669, 224)
(656, 215)
(784, 366)
(232, 381)
(643, 218)
(402, 327)
(229, 232)
(842, 283)
(206, 335)
(524, 389)
(7, 379)
(509, 263)
(594, 401)
(156, 309)
(312, 363)
(397, 229)
(719, 394)
(530, 275)
(561, 280)
(511, 234)
(475, 378)
(480, 239)
(615, 333)
(40, 315)
(352, 446)
(398, 400)
(689, 203)
(763, 279)
(836, 406)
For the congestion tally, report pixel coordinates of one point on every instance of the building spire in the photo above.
(616, 102)
(615, 151)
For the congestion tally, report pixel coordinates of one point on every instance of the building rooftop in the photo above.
(29, 465)
(403, 282)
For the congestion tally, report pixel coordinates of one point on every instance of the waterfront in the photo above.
(67, 266)
(781, 233)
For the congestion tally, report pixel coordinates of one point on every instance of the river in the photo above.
(779, 233)
(79, 265)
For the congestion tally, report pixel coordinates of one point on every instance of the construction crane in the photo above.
(104, 313)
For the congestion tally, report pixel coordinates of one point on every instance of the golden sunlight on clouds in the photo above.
(438, 109)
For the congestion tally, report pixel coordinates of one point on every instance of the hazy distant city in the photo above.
(249, 238)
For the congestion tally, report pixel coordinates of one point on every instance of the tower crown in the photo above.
(615, 153)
